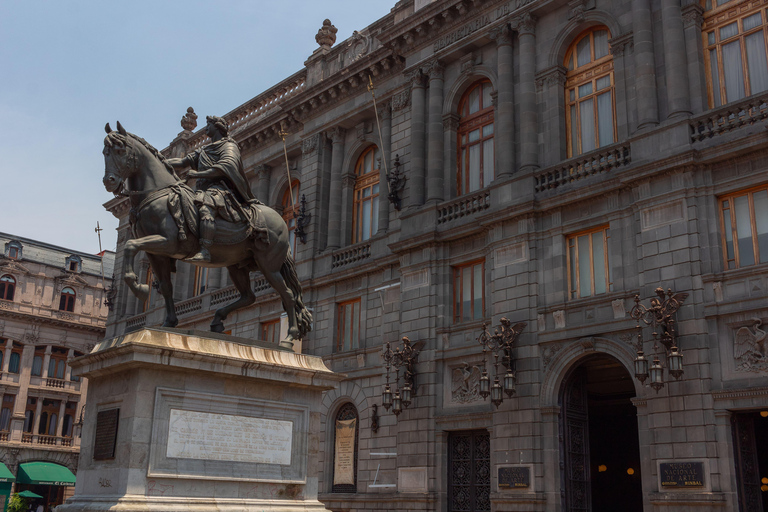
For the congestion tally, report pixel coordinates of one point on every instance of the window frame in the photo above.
(458, 290)
(368, 180)
(67, 300)
(485, 116)
(716, 18)
(730, 198)
(354, 335)
(200, 273)
(270, 331)
(579, 76)
(574, 294)
(7, 282)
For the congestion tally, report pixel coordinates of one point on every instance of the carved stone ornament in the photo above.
(358, 46)
(619, 310)
(326, 36)
(337, 135)
(559, 317)
(750, 348)
(525, 23)
(465, 384)
(401, 100)
(619, 45)
(309, 144)
(435, 70)
(417, 78)
(693, 15)
(548, 353)
(189, 121)
(552, 77)
(502, 35)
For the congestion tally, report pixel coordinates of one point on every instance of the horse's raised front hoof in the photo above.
(171, 323)
(217, 327)
(287, 343)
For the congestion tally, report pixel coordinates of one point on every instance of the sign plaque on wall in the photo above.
(344, 463)
(681, 474)
(106, 434)
(516, 477)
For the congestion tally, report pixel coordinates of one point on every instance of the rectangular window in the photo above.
(270, 331)
(349, 326)
(588, 266)
(745, 227)
(201, 280)
(469, 292)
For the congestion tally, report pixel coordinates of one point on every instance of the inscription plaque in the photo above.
(106, 434)
(514, 477)
(224, 437)
(681, 474)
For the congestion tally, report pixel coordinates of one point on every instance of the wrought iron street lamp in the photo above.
(661, 316)
(405, 357)
(502, 341)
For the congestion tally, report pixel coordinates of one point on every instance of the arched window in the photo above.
(290, 210)
(366, 215)
(29, 421)
(475, 138)
(7, 287)
(57, 364)
(13, 250)
(14, 362)
(345, 441)
(37, 362)
(66, 429)
(5, 415)
(67, 302)
(734, 36)
(589, 93)
(72, 376)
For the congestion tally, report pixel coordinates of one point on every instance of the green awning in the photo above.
(44, 473)
(5, 474)
(29, 494)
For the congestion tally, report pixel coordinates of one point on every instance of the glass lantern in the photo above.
(675, 362)
(641, 367)
(657, 375)
(386, 397)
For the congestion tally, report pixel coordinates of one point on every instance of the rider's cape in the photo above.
(224, 155)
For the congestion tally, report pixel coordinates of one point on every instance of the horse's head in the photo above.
(119, 159)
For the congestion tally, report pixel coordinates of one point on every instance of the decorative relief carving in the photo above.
(309, 144)
(435, 70)
(337, 135)
(465, 384)
(717, 288)
(262, 170)
(559, 317)
(326, 36)
(524, 24)
(619, 310)
(577, 8)
(552, 77)
(451, 121)
(401, 100)
(750, 349)
(693, 15)
(417, 78)
(619, 45)
(502, 35)
(548, 353)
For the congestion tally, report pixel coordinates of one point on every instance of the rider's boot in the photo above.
(207, 230)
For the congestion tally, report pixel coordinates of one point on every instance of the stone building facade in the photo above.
(52, 309)
(559, 157)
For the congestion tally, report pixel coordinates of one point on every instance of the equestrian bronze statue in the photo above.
(219, 224)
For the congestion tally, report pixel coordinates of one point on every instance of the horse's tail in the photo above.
(291, 278)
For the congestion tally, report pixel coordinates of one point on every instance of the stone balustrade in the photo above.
(595, 162)
(351, 255)
(464, 206)
(730, 117)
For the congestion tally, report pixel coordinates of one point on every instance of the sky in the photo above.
(69, 67)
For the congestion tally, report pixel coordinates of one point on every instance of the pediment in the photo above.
(12, 266)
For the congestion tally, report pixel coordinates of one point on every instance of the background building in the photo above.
(51, 310)
(560, 157)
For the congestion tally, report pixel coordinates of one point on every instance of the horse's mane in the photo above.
(149, 147)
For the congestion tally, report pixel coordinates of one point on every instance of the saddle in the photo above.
(181, 204)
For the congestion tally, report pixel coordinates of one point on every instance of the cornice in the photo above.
(52, 321)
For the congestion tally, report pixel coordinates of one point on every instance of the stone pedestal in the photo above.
(178, 421)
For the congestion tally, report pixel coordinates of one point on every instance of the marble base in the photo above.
(203, 424)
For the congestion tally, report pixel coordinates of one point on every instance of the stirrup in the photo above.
(203, 255)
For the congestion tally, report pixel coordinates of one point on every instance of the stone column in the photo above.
(618, 48)
(450, 140)
(645, 64)
(263, 172)
(418, 132)
(552, 84)
(693, 15)
(675, 64)
(385, 118)
(334, 208)
(504, 117)
(68, 372)
(46, 362)
(436, 135)
(60, 419)
(529, 134)
(38, 408)
(7, 359)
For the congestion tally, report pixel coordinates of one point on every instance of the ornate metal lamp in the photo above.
(660, 314)
(396, 183)
(405, 357)
(502, 341)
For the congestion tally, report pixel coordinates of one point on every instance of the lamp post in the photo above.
(405, 357)
(661, 317)
(501, 341)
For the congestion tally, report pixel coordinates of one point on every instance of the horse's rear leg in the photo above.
(241, 277)
(161, 266)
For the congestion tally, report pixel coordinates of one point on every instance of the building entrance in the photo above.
(599, 439)
(750, 442)
(469, 471)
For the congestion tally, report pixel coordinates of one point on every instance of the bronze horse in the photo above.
(133, 165)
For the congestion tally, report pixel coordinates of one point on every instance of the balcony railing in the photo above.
(227, 294)
(729, 117)
(351, 255)
(46, 440)
(189, 306)
(136, 322)
(5, 436)
(583, 166)
(464, 206)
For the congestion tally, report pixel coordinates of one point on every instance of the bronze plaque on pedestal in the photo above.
(681, 474)
(106, 434)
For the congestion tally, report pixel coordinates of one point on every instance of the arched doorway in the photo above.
(599, 438)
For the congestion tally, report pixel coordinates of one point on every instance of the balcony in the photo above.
(463, 206)
(599, 161)
(730, 117)
(40, 439)
(51, 383)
